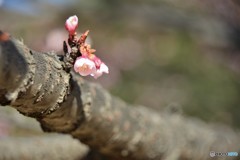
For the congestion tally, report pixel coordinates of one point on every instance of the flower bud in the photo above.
(71, 24)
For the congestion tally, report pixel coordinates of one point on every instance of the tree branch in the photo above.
(52, 147)
(37, 86)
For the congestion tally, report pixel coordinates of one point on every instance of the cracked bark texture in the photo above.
(37, 86)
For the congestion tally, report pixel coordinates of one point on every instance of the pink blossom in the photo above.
(102, 69)
(100, 66)
(71, 24)
(88, 63)
(84, 66)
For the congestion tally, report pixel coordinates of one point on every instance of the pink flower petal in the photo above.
(103, 69)
(84, 66)
(71, 24)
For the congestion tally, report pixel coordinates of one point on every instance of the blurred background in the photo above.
(177, 54)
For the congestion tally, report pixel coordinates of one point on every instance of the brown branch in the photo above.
(37, 86)
(52, 147)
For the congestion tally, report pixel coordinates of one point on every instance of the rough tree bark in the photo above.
(37, 86)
